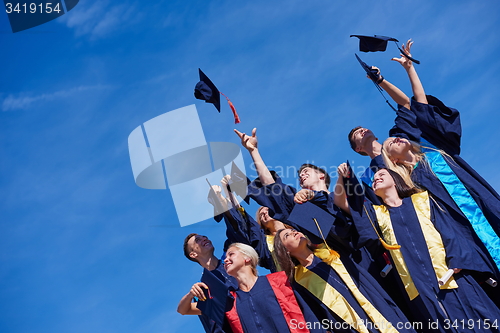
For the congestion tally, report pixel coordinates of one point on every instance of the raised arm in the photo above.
(416, 84)
(340, 198)
(396, 94)
(229, 195)
(250, 143)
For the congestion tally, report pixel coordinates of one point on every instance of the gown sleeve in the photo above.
(363, 215)
(463, 247)
(246, 230)
(278, 197)
(439, 124)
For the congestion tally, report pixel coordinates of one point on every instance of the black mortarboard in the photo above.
(239, 182)
(372, 73)
(314, 221)
(354, 190)
(215, 201)
(376, 79)
(207, 91)
(379, 43)
(218, 299)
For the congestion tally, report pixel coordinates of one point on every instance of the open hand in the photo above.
(249, 142)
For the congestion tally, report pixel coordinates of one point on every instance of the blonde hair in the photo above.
(248, 253)
(405, 170)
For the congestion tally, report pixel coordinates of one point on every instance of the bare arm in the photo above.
(232, 199)
(250, 143)
(186, 305)
(229, 195)
(340, 198)
(396, 94)
(416, 84)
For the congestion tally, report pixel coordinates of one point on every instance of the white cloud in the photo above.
(98, 19)
(24, 101)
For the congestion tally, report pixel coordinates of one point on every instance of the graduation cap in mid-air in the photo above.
(208, 92)
(312, 220)
(379, 43)
(218, 299)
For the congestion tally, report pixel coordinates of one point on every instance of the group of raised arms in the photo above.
(410, 246)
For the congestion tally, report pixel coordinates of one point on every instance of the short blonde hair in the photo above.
(249, 253)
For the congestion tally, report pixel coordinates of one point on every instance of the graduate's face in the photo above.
(382, 181)
(200, 244)
(292, 239)
(264, 217)
(361, 137)
(234, 261)
(310, 178)
(396, 148)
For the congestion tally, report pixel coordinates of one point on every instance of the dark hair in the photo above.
(317, 168)
(186, 250)
(286, 262)
(401, 187)
(351, 140)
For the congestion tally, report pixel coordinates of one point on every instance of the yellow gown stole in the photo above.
(270, 246)
(334, 300)
(432, 238)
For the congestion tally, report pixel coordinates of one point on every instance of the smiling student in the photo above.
(261, 303)
(345, 296)
(424, 149)
(199, 249)
(426, 243)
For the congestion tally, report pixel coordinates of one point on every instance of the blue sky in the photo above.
(82, 248)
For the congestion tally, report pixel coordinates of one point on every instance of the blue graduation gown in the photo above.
(466, 302)
(342, 237)
(278, 197)
(440, 126)
(259, 311)
(248, 231)
(208, 324)
(368, 286)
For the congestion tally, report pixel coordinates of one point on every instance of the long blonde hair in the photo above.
(405, 170)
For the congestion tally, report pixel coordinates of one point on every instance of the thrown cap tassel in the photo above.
(235, 114)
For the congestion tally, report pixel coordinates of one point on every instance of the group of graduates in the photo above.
(411, 246)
